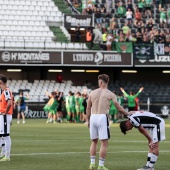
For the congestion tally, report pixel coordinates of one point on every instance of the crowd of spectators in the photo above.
(145, 21)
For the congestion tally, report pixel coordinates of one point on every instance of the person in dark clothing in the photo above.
(20, 102)
(77, 33)
(60, 100)
(85, 106)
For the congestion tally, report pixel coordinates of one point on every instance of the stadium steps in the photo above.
(62, 6)
(95, 46)
(60, 36)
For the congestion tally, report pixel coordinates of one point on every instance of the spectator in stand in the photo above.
(89, 38)
(163, 18)
(167, 36)
(84, 6)
(150, 24)
(112, 30)
(148, 6)
(130, 5)
(139, 36)
(103, 10)
(129, 15)
(109, 42)
(113, 23)
(138, 15)
(98, 18)
(129, 37)
(104, 36)
(121, 36)
(108, 6)
(156, 34)
(125, 28)
(157, 3)
(89, 9)
(145, 36)
(168, 15)
(141, 4)
(161, 38)
(139, 25)
(77, 33)
(121, 9)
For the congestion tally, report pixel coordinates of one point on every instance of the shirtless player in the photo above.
(97, 115)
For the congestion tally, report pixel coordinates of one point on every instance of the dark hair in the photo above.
(21, 93)
(70, 92)
(53, 93)
(104, 77)
(123, 127)
(114, 92)
(3, 78)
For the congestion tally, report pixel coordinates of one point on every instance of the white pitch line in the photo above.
(112, 141)
(75, 153)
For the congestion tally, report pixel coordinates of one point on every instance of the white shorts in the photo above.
(5, 123)
(99, 127)
(158, 132)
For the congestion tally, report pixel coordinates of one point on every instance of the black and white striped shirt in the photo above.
(147, 119)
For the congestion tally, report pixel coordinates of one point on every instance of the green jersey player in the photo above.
(81, 99)
(131, 98)
(72, 103)
(51, 107)
(77, 98)
(112, 112)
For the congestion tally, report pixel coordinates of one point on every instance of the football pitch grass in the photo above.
(40, 146)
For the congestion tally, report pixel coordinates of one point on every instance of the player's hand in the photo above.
(121, 89)
(141, 88)
(88, 124)
(3, 113)
(151, 144)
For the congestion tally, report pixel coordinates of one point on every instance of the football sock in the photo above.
(2, 145)
(78, 118)
(153, 160)
(68, 117)
(92, 159)
(7, 146)
(3, 149)
(148, 159)
(101, 161)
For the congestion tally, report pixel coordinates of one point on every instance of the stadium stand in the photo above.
(36, 90)
(24, 24)
(156, 91)
(113, 16)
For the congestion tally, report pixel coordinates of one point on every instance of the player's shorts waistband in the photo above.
(99, 114)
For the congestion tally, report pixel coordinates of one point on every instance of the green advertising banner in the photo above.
(124, 47)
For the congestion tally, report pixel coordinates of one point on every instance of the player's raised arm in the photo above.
(123, 91)
(118, 106)
(140, 90)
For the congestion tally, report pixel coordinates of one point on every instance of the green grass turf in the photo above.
(40, 146)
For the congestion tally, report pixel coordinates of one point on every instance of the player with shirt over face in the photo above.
(6, 111)
(144, 120)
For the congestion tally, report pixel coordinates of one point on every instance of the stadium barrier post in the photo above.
(24, 44)
(44, 43)
(4, 43)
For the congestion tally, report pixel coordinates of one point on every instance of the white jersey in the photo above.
(147, 119)
(150, 121)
